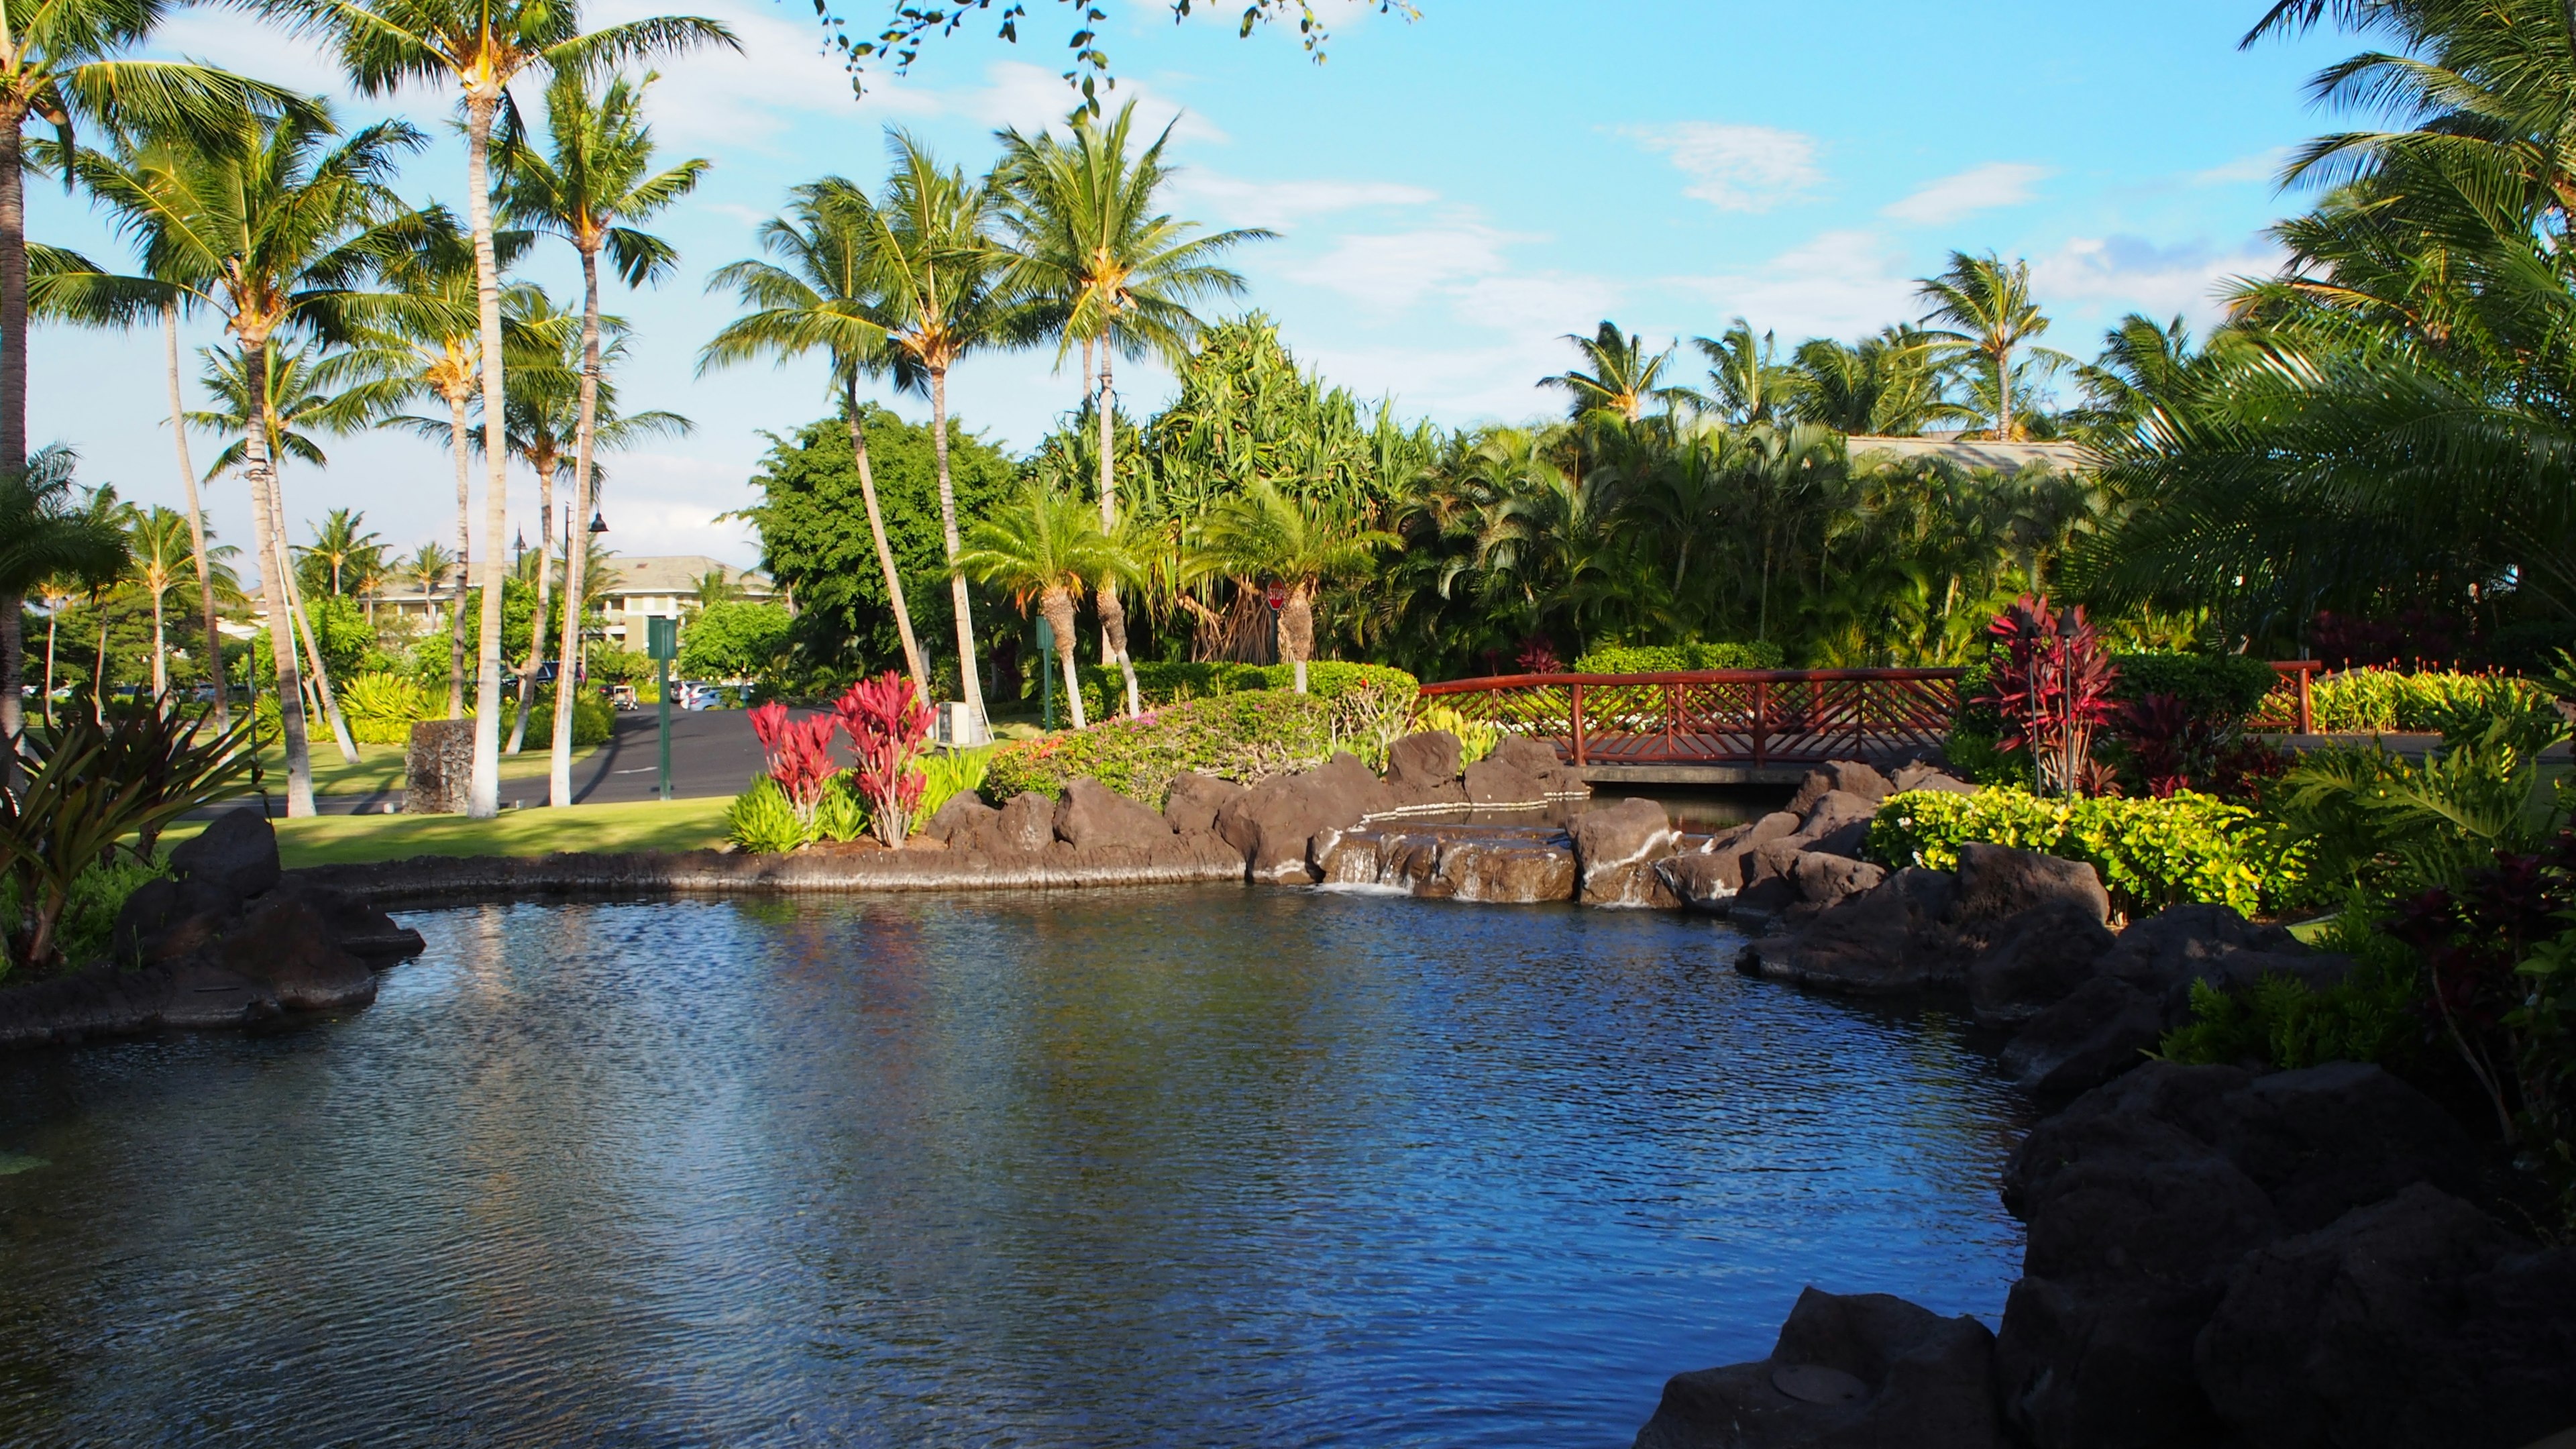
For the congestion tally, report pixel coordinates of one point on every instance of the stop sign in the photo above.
(1278, 597)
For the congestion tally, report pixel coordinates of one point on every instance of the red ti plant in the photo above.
(800, 754)
(2176, 747)
(886, 723)
(2050, 683)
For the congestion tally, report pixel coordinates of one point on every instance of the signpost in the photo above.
(1277, 597)
(1046, 673)
(662, 641)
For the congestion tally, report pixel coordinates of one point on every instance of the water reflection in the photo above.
(1148, 1167)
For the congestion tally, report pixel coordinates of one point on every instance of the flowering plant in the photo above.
(886, 723)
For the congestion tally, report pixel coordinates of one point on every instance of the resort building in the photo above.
(666, 586)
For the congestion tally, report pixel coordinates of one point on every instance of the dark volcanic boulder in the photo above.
(1929, 777)
(1615, 850)
(1495, 784)
(1091, 815)
(1424, 761)
(1701, 880)
(1851, 777)
(236, 854)
(1824, 879)
(1275, 822)
(964, 823)
(1195, 800)
(1837, 823)
(2163, 954)
(1539, 761)
(1997, 882)
(2039, 958)
(1889, 939)
(2417, 1320)
(166, 919)
(2094, 1033)
(1864, 1371)
(288, 944)
(1026, 822)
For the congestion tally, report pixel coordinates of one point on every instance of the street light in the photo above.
(598, 525)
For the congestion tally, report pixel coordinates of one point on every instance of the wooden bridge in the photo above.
(1751, 726)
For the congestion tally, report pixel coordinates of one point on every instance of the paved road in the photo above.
(713, 752)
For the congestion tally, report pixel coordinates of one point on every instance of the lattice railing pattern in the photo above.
(1717, 717)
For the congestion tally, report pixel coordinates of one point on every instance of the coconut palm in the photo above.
(1988, 305)
(1624, 376)
(1299, 544)
(1747, 383)
(947, 291)
(275, 233)
(1117, 275)
(1887, 385)
(816, 297)
(480, 47)
(426, 569)
(1048, 547)
(163, 544)
(48, 532)
(596, 178)
(344, 553)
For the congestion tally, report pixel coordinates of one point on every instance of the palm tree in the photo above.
(46, 533)
(345, 552)
(58, 64)
(1624, 377)
(598, 175)
(1046, 546)
(1746, 381)
(480, 47)
(163, 545)
(274, 233)
(1118, 275)
(817, 297)
(1991, 315)
(1262, 533)
(1884, 386)
(427, 568)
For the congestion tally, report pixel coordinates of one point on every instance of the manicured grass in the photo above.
(380, 767)
(635, 825)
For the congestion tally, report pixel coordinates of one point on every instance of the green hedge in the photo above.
(1673, 658)
(2216, 686)
(1240, 736)
(1104, 691)
(2150, 853)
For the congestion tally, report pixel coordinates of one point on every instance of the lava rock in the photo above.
(1702, 880)
(1424, 761)
(438, 767)
(2417, 1320)
(1929, 777)
(1496, 784)
(236, 854)
(288, 945)
(1539, 762)
(1195, 800)
(166, 919)
(1892, 938)
(964, 823)
(1997, 882)
(1092, 815)
(2040, 957)
(1615, 850)
(1849, 777)
(1861, 1371)
(1274, 823)
(2097, 1031)
(1026, 822)
(1824, 879)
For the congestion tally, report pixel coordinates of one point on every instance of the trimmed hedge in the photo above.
(1158, 683)
(1674, 658)
(2215, 686)
(1241, 736)
(2150, 853)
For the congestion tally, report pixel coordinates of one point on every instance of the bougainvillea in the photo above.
(886, 723)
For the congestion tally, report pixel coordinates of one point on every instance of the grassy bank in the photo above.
(380, 767)
(636, 825)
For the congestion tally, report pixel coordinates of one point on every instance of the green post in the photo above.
(662, 640)
(1046, 674)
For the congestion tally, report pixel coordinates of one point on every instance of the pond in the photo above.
(1190, 1166)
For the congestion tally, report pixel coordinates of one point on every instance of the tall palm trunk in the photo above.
(98, 664)
(272, 568)
(1057, 605)
(214, 639)
(576, 536)
(457, 434)
(320, 675)
(13, 406)
(885, 551)
(2003, 395)
(1113, 615)
(160, 655)
(485, 800)
(969, 687)
(53, 617)
(545, 592)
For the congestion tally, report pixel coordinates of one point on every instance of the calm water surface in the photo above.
(1205, 1166)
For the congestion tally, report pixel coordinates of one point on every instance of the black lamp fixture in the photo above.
(519, 547)
(598, 525)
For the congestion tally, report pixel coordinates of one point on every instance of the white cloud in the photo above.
(1979, 188)
(1032, 98)
(1837, 284)
(1279, 204)
(2261, 166)
(655, 504)
(1735, 168)
(2131, 274)
(1396, 270)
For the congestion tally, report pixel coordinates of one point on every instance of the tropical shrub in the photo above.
(2456, 706)
(1676, 658)
(886, 723)
(1476, 738)
(761, 820)
(2150, 853)
(2365, 818)
(840, 816)
(2048, 681)
(593, 721)
(2168, 743)
(381, 707)
(733, 640)
(799, 755)
(946, 776)
(1244, 736)
(2284, 1024)
(2221, 687)
(1104, 693)
(89, 913)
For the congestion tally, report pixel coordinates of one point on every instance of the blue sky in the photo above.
(1454, 195)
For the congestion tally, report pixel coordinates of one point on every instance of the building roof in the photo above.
(2009, 457)
(677, 574)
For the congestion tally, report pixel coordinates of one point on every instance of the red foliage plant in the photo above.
(800, 753)
(886, 723)
(2176, 747)
(1538, 656)
(2050, 683)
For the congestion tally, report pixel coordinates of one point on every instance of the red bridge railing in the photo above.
(1756, 716)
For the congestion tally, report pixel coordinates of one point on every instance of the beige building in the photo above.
(664, 586)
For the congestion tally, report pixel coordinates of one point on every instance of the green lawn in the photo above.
(380, 767)
(636, 825)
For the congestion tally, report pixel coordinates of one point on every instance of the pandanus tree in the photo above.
(63, 63)
(1297, 543)
(1114, 273)
(593, 181)
(480, 48)
(1048, 548)
(947, 291)
(275, 232)
(815, 295)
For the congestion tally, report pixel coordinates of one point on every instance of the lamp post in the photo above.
(662, 640)
(1046, 674)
